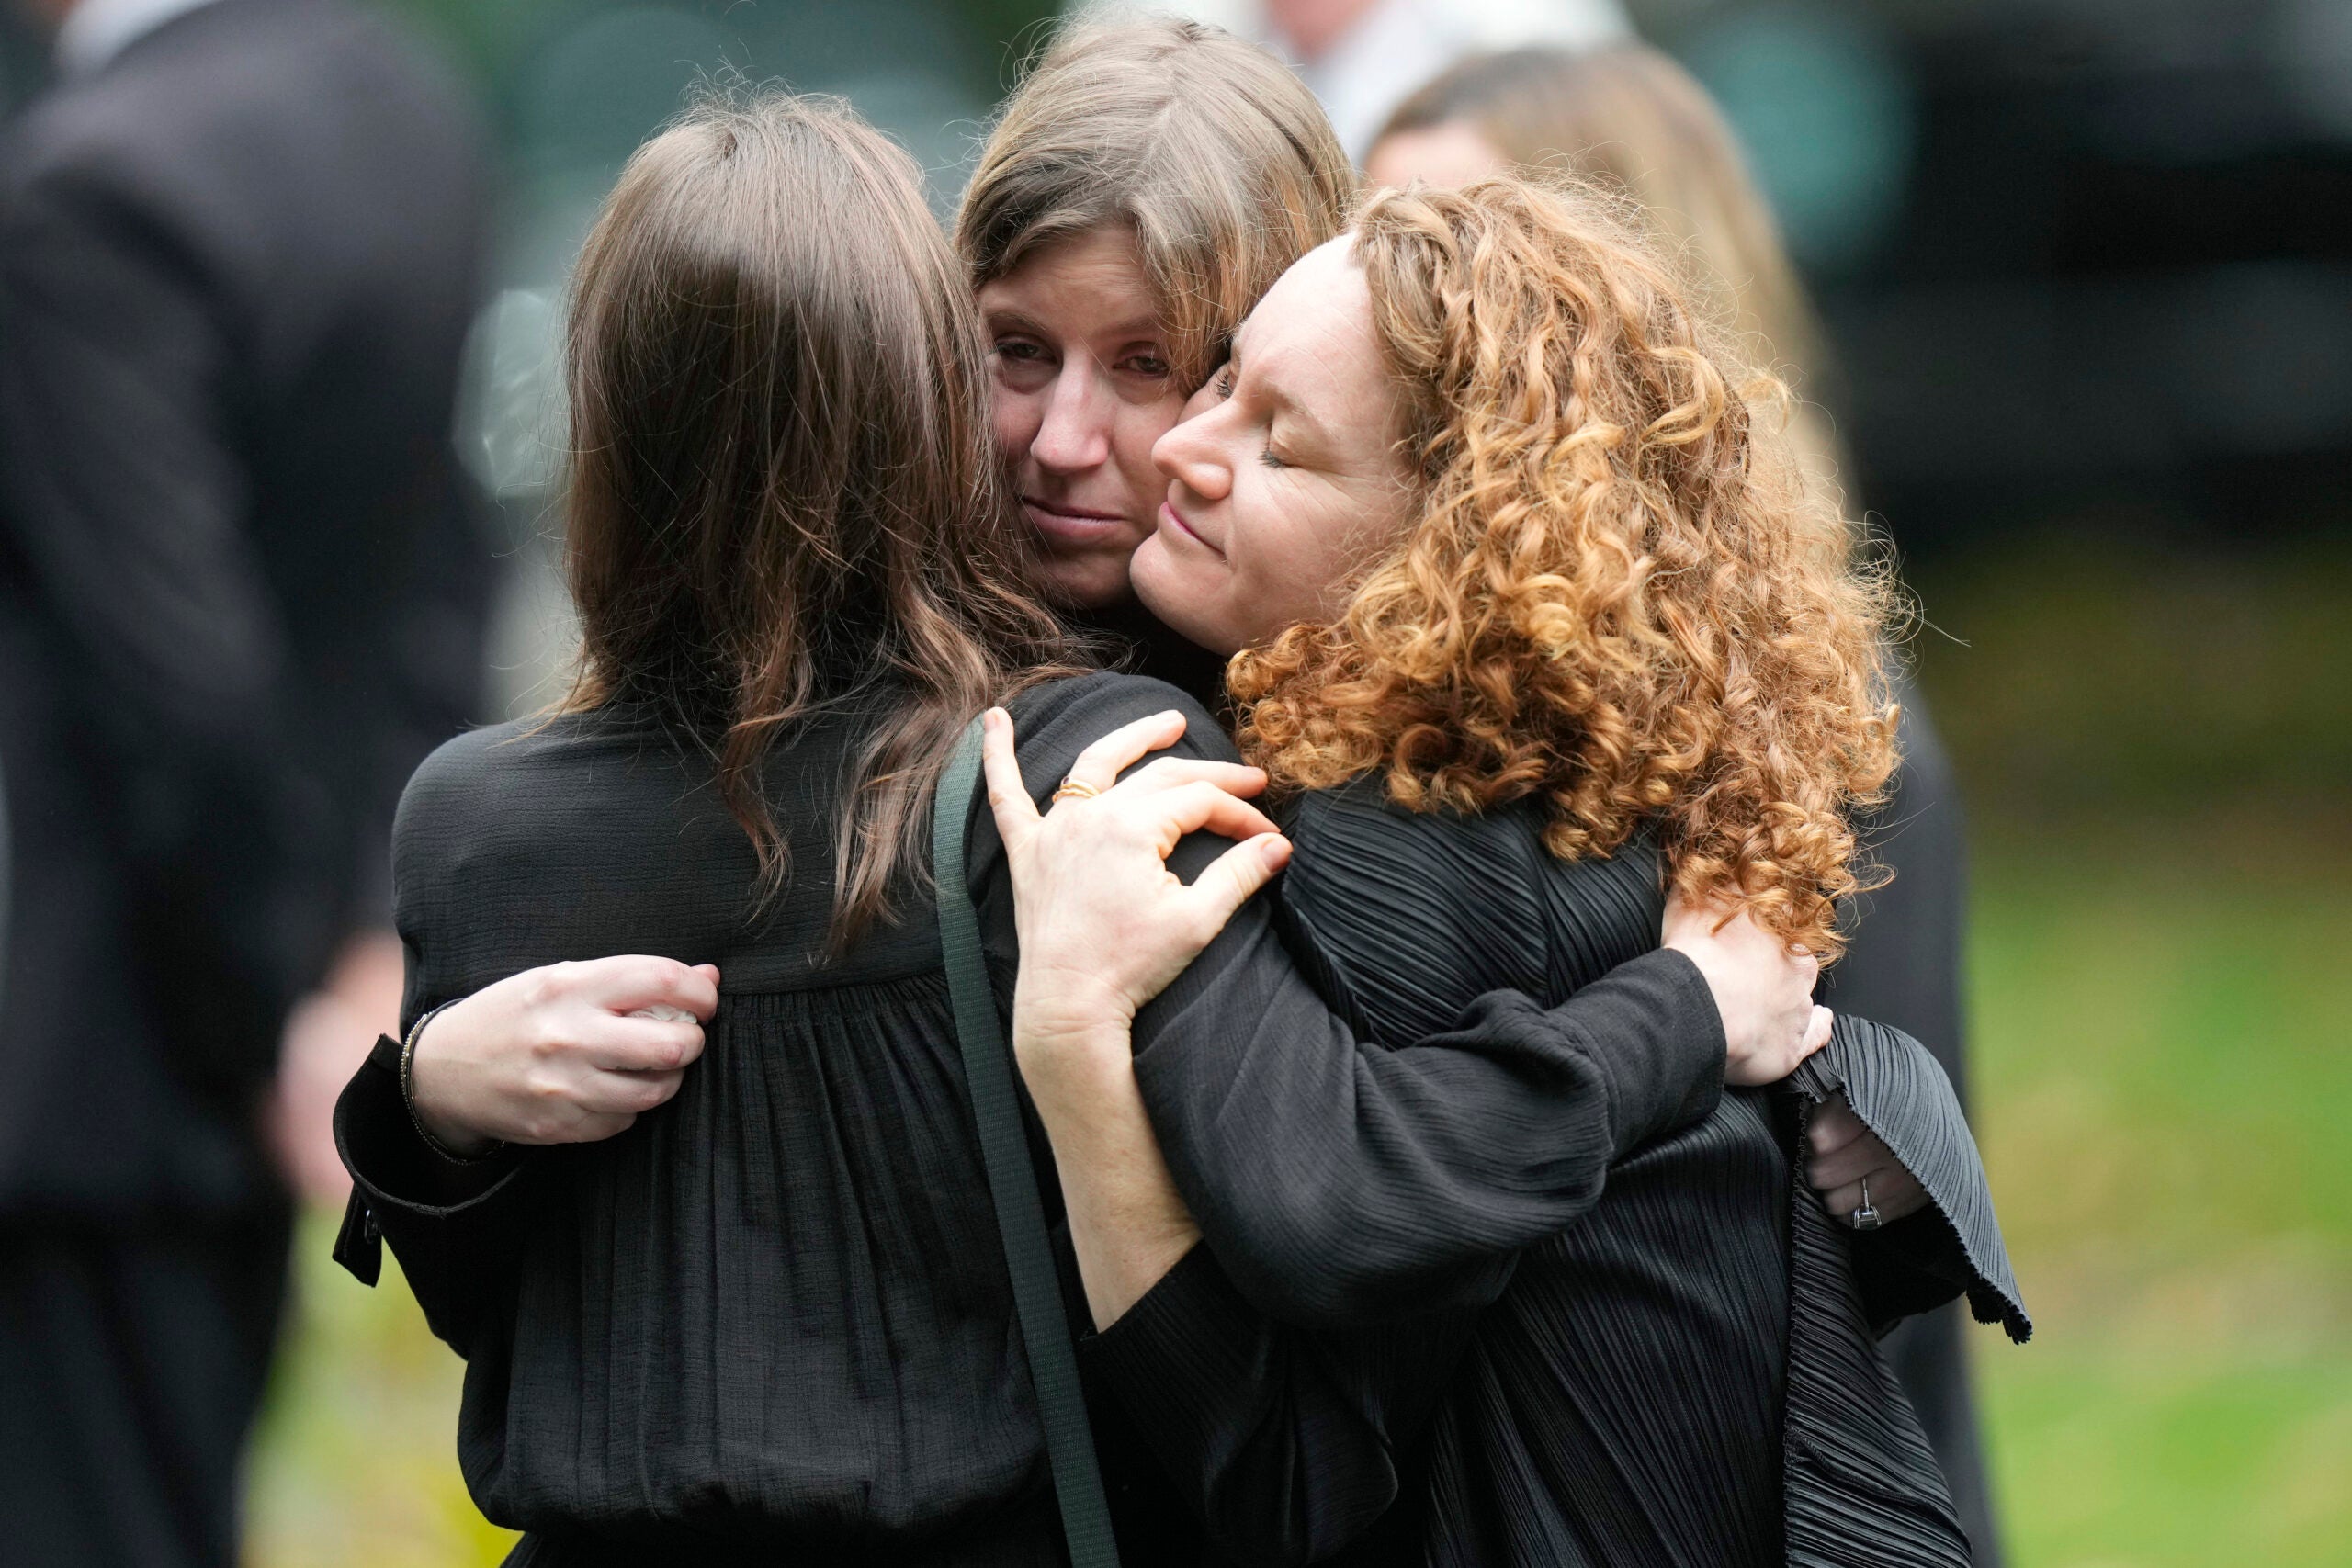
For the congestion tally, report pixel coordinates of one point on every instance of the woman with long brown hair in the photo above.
(711, 1224)
(1142, 187)
(1536, 621)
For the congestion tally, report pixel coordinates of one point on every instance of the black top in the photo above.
(1623, 1398)
(774, 1313)
(242, 589)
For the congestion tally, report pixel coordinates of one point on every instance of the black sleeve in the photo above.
(1342, 1180)
(454, 1226)
(1952, 1246)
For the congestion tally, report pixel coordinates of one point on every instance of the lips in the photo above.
(1171, 518)
(1062, 523)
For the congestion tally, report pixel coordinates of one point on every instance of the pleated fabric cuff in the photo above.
(1901, 1094)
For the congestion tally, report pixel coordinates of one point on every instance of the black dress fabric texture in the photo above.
(772, 1319)
(1685, 1373)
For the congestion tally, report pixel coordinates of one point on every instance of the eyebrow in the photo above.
(1133, 330)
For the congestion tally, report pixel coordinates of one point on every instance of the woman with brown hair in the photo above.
(710, 1224)
(1535, 623)
(1145, 184)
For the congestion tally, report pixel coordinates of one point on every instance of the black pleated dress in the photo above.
(1684, 1373)
(771, 1322)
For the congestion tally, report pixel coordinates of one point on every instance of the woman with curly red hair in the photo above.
(1534, 623)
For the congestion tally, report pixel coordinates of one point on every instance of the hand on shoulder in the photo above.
(1763, 991)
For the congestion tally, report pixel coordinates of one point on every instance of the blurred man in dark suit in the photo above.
(240, 594)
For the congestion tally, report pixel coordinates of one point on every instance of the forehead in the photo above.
(1312, 334)
(1086, 282)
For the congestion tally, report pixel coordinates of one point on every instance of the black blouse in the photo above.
(773, 1316)
(1683, 1373)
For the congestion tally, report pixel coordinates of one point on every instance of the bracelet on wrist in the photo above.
(408, 1093)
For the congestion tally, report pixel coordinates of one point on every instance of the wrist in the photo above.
(1061, 1011)
(445, 1136)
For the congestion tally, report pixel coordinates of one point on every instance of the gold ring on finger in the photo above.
(1075, 789)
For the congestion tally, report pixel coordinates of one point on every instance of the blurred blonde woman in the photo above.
(1630, 117)
(1632, 120)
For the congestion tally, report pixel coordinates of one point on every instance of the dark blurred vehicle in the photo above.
(240, 594)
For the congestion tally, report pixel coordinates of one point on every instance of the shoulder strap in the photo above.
(1013, 1180)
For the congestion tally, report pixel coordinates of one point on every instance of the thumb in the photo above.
(1233, 877)
(1816, 1034)
(1016, 814)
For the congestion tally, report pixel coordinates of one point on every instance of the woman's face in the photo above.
(1082, 386)
(1453, 153)
(1286, 475)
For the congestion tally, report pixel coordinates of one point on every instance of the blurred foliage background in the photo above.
(2086, 265)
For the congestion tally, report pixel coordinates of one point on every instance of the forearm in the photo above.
(1344, 1181)
(1128, 1225)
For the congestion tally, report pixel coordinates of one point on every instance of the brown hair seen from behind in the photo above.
(783, 498)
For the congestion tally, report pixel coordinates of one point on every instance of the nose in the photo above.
(1190, 454)
(1075, 435)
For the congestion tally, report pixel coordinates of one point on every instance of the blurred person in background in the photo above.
(1630, 117)
(240, 594)
(1362, 57)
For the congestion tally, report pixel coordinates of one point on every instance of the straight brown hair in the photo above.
(784, 498)
(1205, 148)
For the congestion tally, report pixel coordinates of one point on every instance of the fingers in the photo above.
(1894, 1193)
(1166, 773)
(1864, 1157)
(1190, 808)
(1016, 814)
(1101, 763)
(635, 981)
(1832, 1126)
(1233, 878)
(1901, 1195)
(640, 1045)
(626, 1094)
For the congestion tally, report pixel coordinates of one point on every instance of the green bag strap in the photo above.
(1013, 1180)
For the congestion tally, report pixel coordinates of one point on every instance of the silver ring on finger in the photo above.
(1866, 1215)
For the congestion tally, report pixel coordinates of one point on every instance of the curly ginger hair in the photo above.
(1619, 594)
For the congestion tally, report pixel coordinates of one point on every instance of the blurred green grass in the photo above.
(2157, 748)
(2156, 745)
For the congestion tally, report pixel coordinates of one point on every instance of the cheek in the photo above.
(1016, 418)
(1290, 554)
(1134, 435)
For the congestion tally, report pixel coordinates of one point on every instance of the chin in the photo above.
(1090, 581)
(1173, 595)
